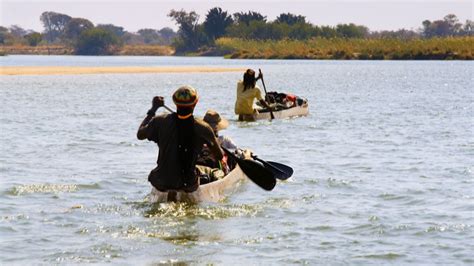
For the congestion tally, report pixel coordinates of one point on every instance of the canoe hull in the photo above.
(302, 110)
(210, 192)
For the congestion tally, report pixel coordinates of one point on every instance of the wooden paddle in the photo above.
(169, 109)
(256, 172)
(263, 82)
(279, 170)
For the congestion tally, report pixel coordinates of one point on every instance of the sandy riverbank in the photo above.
(74, 70)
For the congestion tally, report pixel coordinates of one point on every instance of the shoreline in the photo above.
(79, 70)
(445, 48)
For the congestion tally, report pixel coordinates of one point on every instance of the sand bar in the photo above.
(75, 70)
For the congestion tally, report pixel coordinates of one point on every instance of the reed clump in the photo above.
(451, 48)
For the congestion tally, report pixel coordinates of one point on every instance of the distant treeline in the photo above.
(254, 26)
(203, 38)
(83, 36)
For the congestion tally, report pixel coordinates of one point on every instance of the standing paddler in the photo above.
(247, 92)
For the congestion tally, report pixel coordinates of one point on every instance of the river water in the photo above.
(383, 166)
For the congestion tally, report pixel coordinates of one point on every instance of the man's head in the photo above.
(185, 98)
(215, 120)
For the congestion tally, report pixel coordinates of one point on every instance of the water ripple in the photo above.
(184, 210)
(49, 188)
(383, 167)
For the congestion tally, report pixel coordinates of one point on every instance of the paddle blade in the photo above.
(279, 170)
(260, 175)
(256, 172)
(285, 171)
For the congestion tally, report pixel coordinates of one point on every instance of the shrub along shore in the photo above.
(453, 48)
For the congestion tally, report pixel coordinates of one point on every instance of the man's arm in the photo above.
(265, 104)
(216, 150)
(142, 132)
(258, 95)
(208, 135)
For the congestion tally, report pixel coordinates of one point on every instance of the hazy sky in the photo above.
(135, 15)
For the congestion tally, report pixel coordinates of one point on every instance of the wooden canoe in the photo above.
(210, 192)
(301, 110)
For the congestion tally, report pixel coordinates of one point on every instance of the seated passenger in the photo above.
(210, 168)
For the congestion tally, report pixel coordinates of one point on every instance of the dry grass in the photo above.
(151, 50)
(146, 50)
(36, 50)
(461, 48)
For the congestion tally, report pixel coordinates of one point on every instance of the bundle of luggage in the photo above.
(280, 101)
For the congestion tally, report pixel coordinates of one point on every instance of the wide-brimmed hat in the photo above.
(215, 120)
(185, 96)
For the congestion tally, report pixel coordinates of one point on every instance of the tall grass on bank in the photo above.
(36, 50)
(457, 48)
(146, 50)
(151, 50)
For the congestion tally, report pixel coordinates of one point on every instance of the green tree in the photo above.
(54, 24)
(439, 28)
(4, 33)
(303, 31)
(427, 29)
(454, 25)
(468, 28)
(190, 34)
(17, 31)
(352, 31)
(216, 23)
(449, 26)
(290, 19)
(132, 38)
(96, 41)
(246, 18)
(75, 27)
(328, 32)
(117, 30)
(150, 36)
(33, 38)
(402, 34)
(167, 34)
(266, 31)
(259, 30)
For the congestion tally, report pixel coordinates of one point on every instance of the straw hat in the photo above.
(215, 120)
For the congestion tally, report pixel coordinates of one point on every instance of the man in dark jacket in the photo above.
(180, 138)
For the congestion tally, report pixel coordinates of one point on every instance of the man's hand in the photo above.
(260, 76)
(157, 102)
(244, 153)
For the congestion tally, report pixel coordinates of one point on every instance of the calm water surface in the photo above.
(383, 167)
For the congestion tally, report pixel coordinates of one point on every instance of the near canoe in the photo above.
(210, 192)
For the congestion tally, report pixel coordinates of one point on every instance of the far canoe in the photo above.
(210, 192)
(301, 110)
